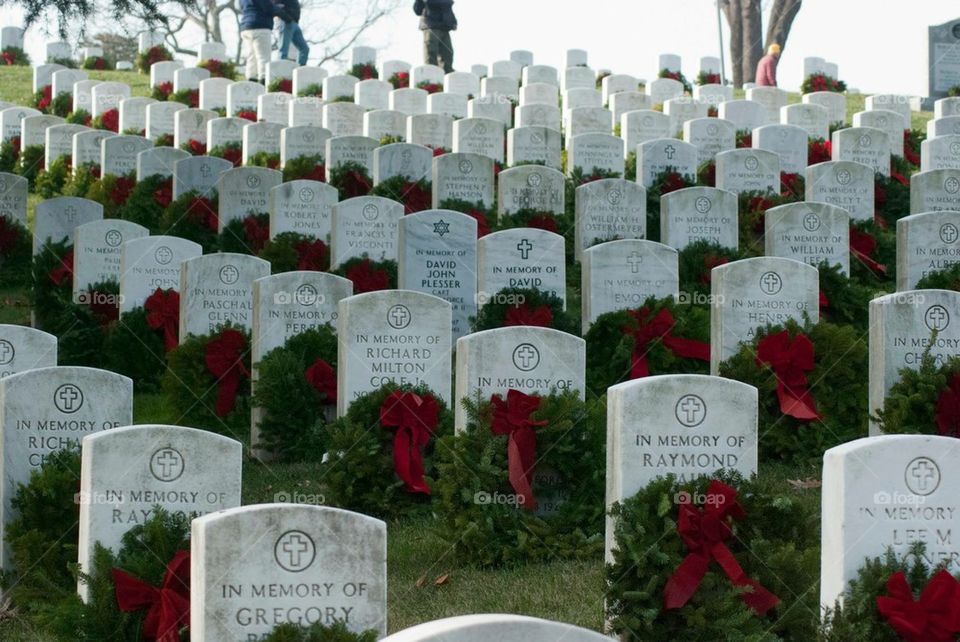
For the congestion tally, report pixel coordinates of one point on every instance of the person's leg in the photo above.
(446, 50)
(261, 45)
(251, 70)
(301, 44)
(285, 38)
(429, 47)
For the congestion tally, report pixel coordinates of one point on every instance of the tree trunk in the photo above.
(732, 10)
(752, 38)
(781, 19)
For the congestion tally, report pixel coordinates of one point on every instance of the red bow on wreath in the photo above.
(415, 419)
(163, 313)
(704, 531)
(790, 361)
(367, 278)
(862, 247)
(169, 605)
(322, 378)
(9, 235)
(934, 618)
(659, 327)
(512, 417)
(311, 255)
(64, 270)
(523, 314)
(948, 409)
(224, 359)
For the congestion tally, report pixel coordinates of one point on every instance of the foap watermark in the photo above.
(297, 497)
(98, 298)
(914, 297)
(304, 296)
(105, 498)
(699, 298)
(699, 499)
(499, 298)
(483, 498)
(884, 498)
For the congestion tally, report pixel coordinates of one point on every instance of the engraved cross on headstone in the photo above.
(635, 261)
(669, 150)
(526, 355)
(295, 547)
(67, 396)
(524, 247)
(691, 408)
(924, 473)
(168, 462)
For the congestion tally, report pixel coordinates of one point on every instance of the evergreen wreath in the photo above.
(368, 275)
(269, 160)
(843, 300)
(231, 151)
(146, 552)
(924, 401)
(219, 68)
(290, 251)
(313, 89)
(30, 161)
(44, 534)
(15, 56)
(891, 199)
(485, 216)
(860, 619)
(416, 196)
(297, 395)
(145, 59)
(669, 180)
(112, 192)
(520, 306)
(838, 362)
(79, 326)
(473, 479)
(16, 252)
(351, 179)
(50, 180)
(199, 397)
(946, 279)
(134, 349)
(873, 253)
(305, 168)
(612, 342)
(317, 632)
(81, 179)
(193, 217)
(695, 264)
(247, 235)
(362, 473)
(9, 153)
(775, 540)
(147, 201)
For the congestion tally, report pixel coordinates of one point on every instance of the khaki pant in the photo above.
(257, 43)
(437, 48)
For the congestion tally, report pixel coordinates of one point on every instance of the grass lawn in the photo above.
(425, 580)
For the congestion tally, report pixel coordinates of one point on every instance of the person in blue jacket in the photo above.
(289, 12)
(256, 28)
(436, 22)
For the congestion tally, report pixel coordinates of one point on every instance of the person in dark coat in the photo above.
(436, 22)
(289, 12)
(256, 27)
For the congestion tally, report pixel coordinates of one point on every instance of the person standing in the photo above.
(767, 67)
(289, 12)
(256, 27)
(436, 22)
